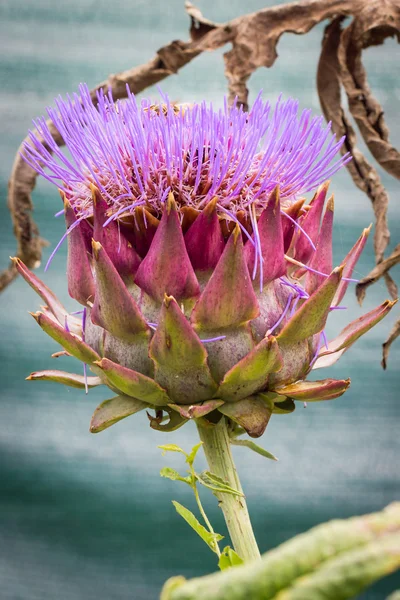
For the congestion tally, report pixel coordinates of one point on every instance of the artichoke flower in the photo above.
(205, 280)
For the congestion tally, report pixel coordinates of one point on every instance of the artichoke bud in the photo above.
(205, 286)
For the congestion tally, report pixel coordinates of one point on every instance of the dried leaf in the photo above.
(371, 27)
(377, 272)
(362, 172)
(394, 334)
(255, 37)
(199, 25)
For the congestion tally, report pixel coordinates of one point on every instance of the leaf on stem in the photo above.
(211, 539)
(216, 484)
(229, 559)
(169, 473)
(193, 453)
(255, 447)
(171, 448)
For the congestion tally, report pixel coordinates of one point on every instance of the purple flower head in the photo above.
(136, 155)
(206, 283)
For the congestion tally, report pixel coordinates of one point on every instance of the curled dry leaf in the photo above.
(373, 24)
(364, 175)
(394, 334)
(377, 272)
(340, 65)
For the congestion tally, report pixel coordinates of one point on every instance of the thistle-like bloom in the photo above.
(206, 281)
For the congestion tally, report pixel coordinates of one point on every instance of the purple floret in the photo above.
(135, 154)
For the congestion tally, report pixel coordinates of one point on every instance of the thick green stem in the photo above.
(217, 449)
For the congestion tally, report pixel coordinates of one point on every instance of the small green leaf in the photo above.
(224, 562)
(171, 448)
(217, 484)
(253, 446)
(193, 453)
(174, 475)
(235, 558)
(229, 558)
(210, 539)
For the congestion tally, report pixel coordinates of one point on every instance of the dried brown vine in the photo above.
(394, 334)
(254, 38)
(377, 272)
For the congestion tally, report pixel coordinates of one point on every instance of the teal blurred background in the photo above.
(87, 516)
